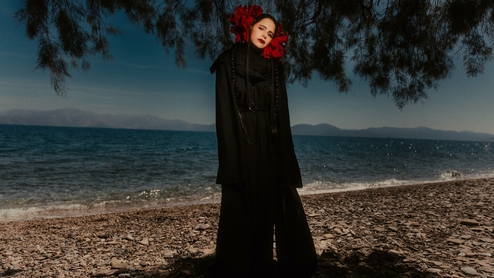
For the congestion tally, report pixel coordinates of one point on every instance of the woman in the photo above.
(258, 170)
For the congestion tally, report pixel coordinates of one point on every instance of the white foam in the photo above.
(71, 210)
(28, 213)
(318, 187)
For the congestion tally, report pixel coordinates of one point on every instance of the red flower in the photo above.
(277, 48)
(241, 20)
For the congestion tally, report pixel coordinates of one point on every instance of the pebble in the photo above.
(469, 270)
(469, 222)
(434, 270)
(116, 263)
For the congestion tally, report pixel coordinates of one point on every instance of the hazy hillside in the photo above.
(391, 132)
(427, 133)
(78, 118)
(329, 130)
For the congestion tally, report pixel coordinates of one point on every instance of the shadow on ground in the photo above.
(380, 264)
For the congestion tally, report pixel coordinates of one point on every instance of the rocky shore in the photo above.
(427, 230)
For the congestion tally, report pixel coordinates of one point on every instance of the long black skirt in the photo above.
(254, 219)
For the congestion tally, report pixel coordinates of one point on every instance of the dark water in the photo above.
(55, 171)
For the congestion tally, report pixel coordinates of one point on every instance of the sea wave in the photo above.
(50, 211)
(317, 187)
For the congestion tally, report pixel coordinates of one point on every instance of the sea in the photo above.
(49, 172)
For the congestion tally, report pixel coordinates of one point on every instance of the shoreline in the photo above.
(60, 211)
(440, 229)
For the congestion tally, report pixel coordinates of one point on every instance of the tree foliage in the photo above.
(403, 48)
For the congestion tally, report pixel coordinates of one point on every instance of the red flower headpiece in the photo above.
(276, 48)
(242, 20)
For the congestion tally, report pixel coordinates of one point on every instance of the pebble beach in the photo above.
(443, 229)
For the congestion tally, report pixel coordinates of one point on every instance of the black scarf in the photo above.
(253, 67)
(250, 64)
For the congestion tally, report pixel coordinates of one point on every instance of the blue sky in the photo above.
(143, 79)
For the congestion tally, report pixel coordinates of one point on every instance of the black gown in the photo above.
(258, 171)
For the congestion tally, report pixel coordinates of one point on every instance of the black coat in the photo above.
(253, 125)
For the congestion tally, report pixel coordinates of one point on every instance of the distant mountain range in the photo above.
(79, 118)
(392, 132)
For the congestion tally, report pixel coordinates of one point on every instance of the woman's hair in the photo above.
(263, 16)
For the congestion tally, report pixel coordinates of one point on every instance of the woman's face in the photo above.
(262, 33)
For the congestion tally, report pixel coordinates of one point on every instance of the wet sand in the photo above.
(426, 230)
